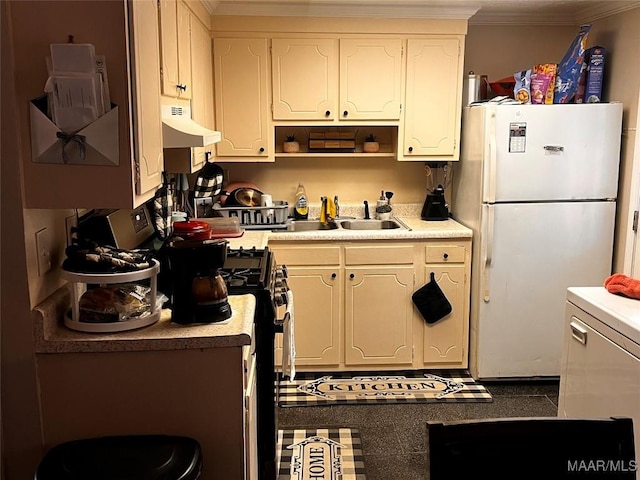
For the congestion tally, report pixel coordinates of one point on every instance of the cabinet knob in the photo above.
(445, 256)
(410, 149)
(352, 275)
(327, 113)
(181, 86)
(334, 275)
(261, 149)
(345, 113)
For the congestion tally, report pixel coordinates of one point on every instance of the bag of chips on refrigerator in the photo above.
(522, 90)
(570, 67)
(549, 71)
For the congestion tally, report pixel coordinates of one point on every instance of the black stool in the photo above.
(139, 457)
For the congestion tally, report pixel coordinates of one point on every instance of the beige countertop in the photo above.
(52, 336)
(408, 214)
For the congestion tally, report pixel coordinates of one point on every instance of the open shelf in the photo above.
(387, 137)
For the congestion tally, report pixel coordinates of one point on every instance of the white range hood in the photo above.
(179, 131)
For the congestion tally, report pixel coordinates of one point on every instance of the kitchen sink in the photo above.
(370, 224)
(309, 226)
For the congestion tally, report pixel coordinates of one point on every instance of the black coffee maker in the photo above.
(198, 291)
(435, 206)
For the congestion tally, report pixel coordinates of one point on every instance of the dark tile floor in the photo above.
(394, 436)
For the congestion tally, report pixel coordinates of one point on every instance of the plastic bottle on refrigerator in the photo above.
(301, 207)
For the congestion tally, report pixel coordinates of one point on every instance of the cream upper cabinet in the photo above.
(175, 27)
(200, 60)
(202, 105)
(131, 49)
(370, 79)
(433, 99)
(304, 73)
(147, 121)
(241, 99)
(446, 341)
(336, 79)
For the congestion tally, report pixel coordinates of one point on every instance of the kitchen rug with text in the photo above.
(323, 453)
(411, 386)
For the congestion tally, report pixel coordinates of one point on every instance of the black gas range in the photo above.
(255, 271)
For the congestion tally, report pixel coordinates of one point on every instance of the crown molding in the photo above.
(510, 14)
(600, 10)
(338, 8)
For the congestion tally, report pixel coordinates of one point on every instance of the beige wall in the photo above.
(499, 51)
(620, 35)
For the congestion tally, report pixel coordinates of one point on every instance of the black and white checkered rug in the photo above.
(413, 386)
(328, 453)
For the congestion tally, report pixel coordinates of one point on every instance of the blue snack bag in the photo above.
(570, 67)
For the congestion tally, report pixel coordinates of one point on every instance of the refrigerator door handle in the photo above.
(553, 149)
(490, 174)
(487, 248)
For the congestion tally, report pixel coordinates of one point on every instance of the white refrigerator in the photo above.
(537, 184)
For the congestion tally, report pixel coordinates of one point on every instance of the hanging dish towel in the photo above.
(431, 302)
(162, 209)
(288, 341)
(209, 181)
(623, 285)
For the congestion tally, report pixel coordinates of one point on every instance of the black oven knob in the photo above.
(281, 272)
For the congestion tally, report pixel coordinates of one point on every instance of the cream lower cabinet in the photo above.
(431, 127)
(352, 304)
(173, 392)
(241, 100)
(379, 282)
(316, 281)
(445, 342)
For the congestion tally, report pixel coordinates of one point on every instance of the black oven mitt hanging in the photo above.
(431, 302)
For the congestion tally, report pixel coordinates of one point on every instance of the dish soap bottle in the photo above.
(301, 207)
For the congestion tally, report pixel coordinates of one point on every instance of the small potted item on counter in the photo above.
(291, 145)
(370, 144)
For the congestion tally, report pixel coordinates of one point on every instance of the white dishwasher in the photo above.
(600, 370)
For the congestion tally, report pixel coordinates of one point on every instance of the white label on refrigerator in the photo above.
(517, 137)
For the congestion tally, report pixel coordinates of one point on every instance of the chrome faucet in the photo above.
(366, 211)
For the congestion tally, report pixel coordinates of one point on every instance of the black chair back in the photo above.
(532, 448)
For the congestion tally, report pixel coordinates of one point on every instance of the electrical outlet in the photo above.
(71, 222)
(43, 251)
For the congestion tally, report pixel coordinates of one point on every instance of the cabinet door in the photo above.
(317, 314)
(240, 73)
(378, 315)
(370, 79)
(147, 122)
(445, 341)
(169, 46)
(176, 55)
(202, 91)
(433, 96)
(305, 74)
(184, 87)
